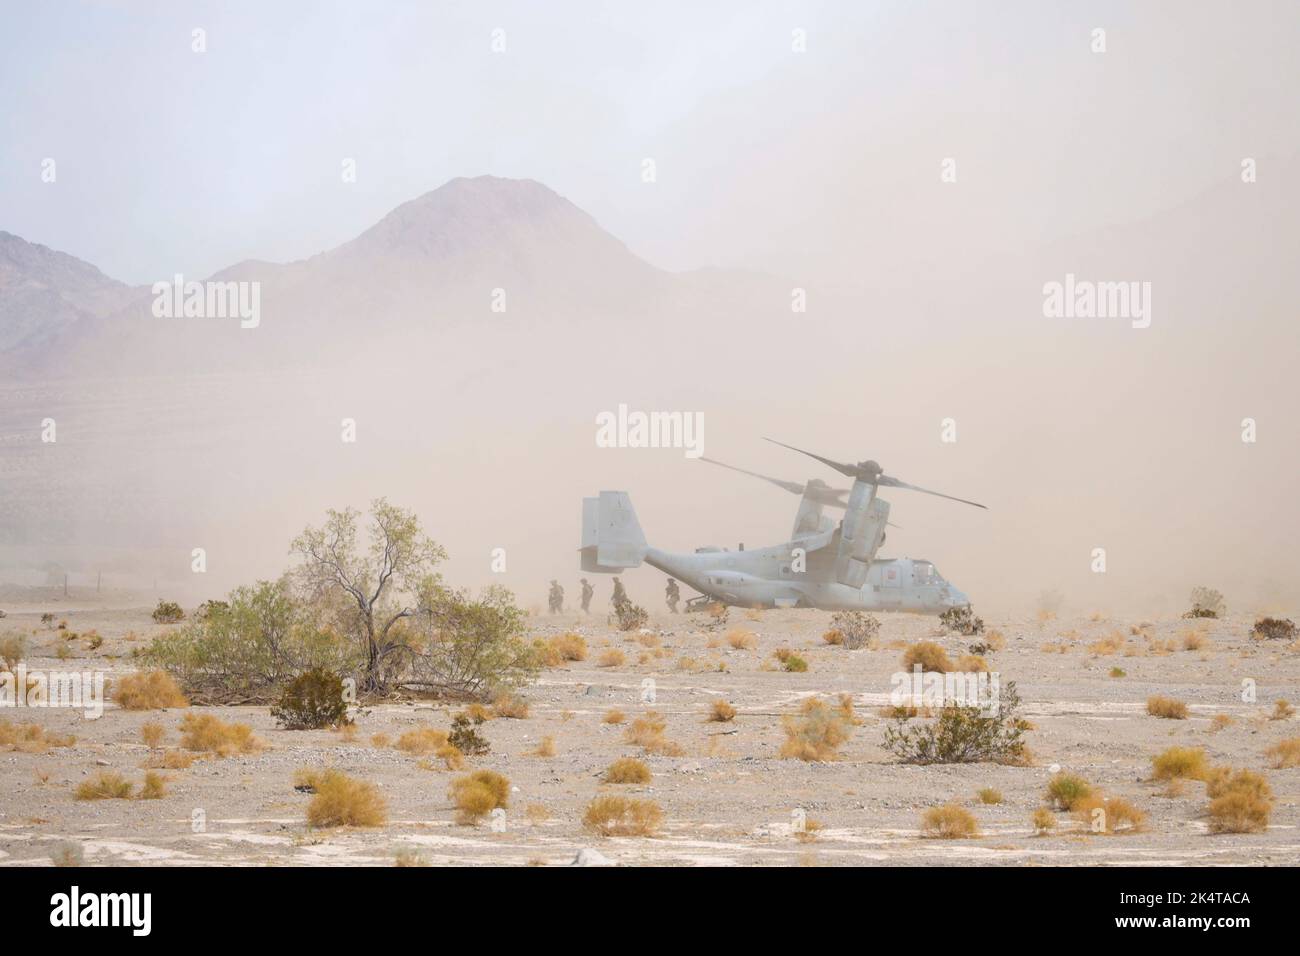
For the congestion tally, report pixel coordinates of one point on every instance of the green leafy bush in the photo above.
(168, 612)
(962, 734)
(312, 700)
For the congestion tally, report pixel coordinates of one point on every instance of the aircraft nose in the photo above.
(958, 598)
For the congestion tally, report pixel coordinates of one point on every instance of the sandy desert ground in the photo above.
(729, 799)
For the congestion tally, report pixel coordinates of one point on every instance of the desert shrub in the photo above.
(790, 661)
(245, 649)
(1167, 707)
(618, 816)
(1043, 820)
(989, 795)
(152, 734)
(1219, 722)
(148, 690)
(205, 733)
(105, 785)
(154, 786)
(1110, 815)
(13, 648)
(631, 617)
(1195, 641)
(949, 822)
(611, 657)
(613, 716)
(569, 647)
(312, 700)
(962, 620)
(465, 647)
(721, 712)
(343, 801)
(963, 734)
(1118, 672)
(1282, 710)
(647, 732)
(477, 794)
(971, 664)
(545, 748)
(855, 628)
(929, 656)
(1065, 791)
(1284, 754)
(627, 770)
(464, 735)
(168, 612)
(833, 637)
(1180, 763)
(1274, 629)
(816, 733)
(741, 639)
(1206, 602)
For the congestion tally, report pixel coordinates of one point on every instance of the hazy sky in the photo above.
(169, 160)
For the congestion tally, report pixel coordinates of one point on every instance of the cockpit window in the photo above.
(923, 572)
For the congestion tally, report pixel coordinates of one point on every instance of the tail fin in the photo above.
(611, 537)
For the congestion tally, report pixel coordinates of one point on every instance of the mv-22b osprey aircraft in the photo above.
(825, 564)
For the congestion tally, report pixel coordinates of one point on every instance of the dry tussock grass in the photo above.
(721, 712)
(152, 733)
(949, 822)
(545, 748)
(610, 815)
(627, 770)
(343, 801)
(611, 658)
(510, 706)
(105, 785)
(1284, 754)
(647, 732)
(169, 760)
(1109, 815)
(1166, 707)
(1180, 763)
(613, 716)
(148, 690)
(817, 732)
(1241, 801)
(31, 738)
(205, 733)
(931, 657)
(1066, 791)
(569, 647)
(741, 639)
(477, 794)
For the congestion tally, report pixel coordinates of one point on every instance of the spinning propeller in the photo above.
(817, 490)
(872, 473)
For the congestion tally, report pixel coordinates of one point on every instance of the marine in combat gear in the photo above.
(672, 594)
(557, 597)
(587, 592)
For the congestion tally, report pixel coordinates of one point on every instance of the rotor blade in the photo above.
(789, 486)
(888, 482)
(849, 471)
